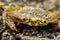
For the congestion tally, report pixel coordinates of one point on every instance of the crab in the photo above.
(31, 16)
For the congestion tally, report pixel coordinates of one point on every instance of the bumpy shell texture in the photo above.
(32, 16)
(35, 16)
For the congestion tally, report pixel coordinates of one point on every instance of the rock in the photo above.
(7, 36)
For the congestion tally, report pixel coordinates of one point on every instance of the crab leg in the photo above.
(7, 20)
(54, 14)
(4, 17)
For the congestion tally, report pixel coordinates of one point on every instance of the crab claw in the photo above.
(11, 24)
(8, 21)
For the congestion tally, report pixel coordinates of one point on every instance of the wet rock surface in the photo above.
(29, 33)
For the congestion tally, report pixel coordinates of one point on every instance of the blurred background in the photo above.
(31, 33)
(52, 5)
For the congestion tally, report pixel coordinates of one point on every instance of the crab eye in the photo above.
(25, 19)
(44, 21)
